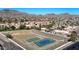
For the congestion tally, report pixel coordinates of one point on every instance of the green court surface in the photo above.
(33, 39)
(40, 42)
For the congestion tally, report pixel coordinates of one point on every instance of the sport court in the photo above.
(35, 40)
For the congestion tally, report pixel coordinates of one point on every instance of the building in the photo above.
(43, 29)
(62, 32)
(72, 28)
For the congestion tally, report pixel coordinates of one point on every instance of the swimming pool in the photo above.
(44, 42)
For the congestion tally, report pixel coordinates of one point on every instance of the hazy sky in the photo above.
(47, 10)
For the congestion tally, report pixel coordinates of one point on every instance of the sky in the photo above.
(74, 11)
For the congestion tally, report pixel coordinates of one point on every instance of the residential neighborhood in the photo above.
(24, 31)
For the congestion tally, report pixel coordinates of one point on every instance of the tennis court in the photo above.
(35, 40)
(40, 42)
(44, 42)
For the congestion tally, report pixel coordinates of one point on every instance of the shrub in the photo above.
(9, 36)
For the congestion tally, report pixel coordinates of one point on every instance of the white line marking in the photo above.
(16, 43)
(64, 46)
(13, 41)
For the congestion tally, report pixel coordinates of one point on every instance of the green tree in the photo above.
(9, 36)
(39, 28)
(13, 27)
(73, 36)
(22, 26)
(7, 28)
(50, 25)
(1, 19)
